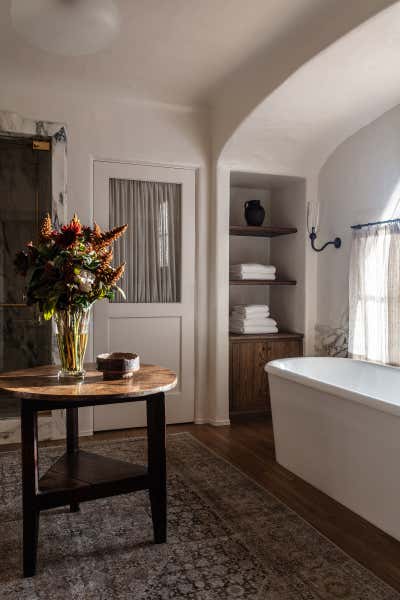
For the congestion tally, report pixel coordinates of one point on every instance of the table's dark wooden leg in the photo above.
(30, 485)
(73, 441)
(157, 465)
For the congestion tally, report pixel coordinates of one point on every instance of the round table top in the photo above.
(42, 383)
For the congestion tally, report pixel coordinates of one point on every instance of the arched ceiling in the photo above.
(339, 91)
(310, 82)
(188, 51)
(228, 55)
(171, 51)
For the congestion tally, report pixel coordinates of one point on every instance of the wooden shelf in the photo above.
(260, 282)
(93, 475)
(281, 335)
(267, 231)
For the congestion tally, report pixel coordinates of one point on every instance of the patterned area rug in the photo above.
(228, 539)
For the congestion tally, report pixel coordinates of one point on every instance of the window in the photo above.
(151, 246)
(375, 294)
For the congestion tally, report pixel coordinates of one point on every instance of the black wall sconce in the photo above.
(337, 242)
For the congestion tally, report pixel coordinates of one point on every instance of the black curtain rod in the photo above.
(375, 223)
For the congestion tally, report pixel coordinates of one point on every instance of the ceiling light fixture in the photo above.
(67, 27)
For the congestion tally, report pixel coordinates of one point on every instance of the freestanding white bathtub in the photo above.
(337, 426)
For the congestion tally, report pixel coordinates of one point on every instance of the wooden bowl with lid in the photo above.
(118, 365)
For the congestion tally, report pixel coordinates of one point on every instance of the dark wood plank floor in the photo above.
(248, 444)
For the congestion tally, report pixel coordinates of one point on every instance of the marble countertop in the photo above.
(42, 383)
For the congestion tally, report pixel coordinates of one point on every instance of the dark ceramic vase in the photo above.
(254, 213)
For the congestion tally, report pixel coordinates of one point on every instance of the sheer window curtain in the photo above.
(374, 294)
(151, 247)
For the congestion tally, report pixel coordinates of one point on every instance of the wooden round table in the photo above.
(79, 476)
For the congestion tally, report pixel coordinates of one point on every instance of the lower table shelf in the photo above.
(83, 476)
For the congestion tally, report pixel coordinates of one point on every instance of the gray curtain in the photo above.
(151, 246)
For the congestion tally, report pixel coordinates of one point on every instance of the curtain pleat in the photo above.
(374, 294)
(151, 246)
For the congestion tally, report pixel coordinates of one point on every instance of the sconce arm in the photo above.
(337, 242)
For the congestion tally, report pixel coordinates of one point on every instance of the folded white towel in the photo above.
(258, 316)
(251, 316)
(252, 329)
(252, 322)
(251, 319)
(252, 267)
(254, 275)
(250, 309)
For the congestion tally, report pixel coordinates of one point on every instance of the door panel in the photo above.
(158, 338)
(157, 267)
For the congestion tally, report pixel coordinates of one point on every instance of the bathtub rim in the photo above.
(275, 367)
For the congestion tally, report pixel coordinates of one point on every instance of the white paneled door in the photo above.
(157, 318)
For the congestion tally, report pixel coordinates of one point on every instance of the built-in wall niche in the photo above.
(281, 242)
(248, 249)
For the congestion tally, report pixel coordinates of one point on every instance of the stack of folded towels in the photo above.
(252, 318)
(252, 271)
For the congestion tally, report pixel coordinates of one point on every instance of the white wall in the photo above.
(218, 324)
(358, 183)
(288, 254)
(123, 130)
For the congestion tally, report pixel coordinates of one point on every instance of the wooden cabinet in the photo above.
(248, 382)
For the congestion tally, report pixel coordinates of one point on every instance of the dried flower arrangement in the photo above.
(69, 267)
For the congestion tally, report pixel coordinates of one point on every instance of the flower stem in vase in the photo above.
(72, 336)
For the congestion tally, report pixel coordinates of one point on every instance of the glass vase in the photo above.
(72, 330)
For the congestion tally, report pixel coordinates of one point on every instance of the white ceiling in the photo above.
(342, 89)
(174, 51)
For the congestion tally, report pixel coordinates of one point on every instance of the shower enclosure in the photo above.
(33, 181)
(25, 196)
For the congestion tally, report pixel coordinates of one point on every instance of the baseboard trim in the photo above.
(219, 422)
(214, 422)
(87, 433)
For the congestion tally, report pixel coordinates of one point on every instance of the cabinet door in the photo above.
(284, 349)
(248, 380)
